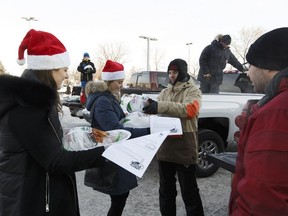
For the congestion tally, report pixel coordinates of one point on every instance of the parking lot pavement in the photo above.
(143, 200)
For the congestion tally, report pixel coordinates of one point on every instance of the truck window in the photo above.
(143, 80)
(162, 80)
(133, 80)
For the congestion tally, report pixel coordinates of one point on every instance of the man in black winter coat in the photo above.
(213, 60)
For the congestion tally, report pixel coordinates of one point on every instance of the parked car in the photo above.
(148, 82)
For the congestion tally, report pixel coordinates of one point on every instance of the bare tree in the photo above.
(194, 69)
(157, 58)
(2, 68)
(114, 52)
(241, 43)
(74, 77)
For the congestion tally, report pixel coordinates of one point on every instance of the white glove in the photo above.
(88, 66)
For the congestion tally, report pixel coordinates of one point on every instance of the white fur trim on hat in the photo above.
(116, 75)
(21, 61)
(46, 62)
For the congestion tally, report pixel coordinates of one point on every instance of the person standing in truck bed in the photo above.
(213, 60)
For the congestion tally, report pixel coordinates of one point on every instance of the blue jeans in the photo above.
(188, 185)
(83, 84)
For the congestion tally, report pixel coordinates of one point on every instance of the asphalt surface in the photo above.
(143, 200)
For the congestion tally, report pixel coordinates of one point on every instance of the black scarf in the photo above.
(272, 88)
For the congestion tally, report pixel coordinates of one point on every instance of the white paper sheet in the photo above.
(160, 123)
(136, 154)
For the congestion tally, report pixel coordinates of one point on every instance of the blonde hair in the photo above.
(116, 94)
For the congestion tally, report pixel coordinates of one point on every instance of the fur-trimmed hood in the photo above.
(95, 89)
(16, 91)
(95, 86)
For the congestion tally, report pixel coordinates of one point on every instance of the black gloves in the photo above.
(150, 101)
(151, 108)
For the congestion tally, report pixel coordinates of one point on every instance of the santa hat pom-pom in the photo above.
(21, 61)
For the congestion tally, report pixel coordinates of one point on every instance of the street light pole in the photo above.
(148, 49)
(189, 55)
(29, 19)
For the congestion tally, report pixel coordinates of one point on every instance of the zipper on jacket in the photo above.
(74, 186)
(54, 130)
(47, 206)
(47, 192)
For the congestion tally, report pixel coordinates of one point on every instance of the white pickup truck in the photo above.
(216, 125)
(217, 115)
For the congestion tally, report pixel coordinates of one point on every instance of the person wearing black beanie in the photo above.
(270, 51)
(178, 154)
(213, 60)
(181, 66)
(259, 186)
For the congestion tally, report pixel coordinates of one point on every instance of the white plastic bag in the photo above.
(81, 138)
(136, 120)
(131, 103)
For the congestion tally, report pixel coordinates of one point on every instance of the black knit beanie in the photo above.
(181, 66)
(226, 39)
(270, 51)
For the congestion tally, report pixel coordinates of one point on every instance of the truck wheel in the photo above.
(209, 142)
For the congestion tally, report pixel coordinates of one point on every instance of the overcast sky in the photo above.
(84, 25)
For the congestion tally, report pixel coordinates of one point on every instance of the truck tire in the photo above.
(209, 142)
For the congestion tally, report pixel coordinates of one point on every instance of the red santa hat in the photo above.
(44, 51)
(113, 71)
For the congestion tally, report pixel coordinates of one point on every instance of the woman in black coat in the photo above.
(37, 175)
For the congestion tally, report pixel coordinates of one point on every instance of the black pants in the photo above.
(209, 86)
(188, 185)
(117, 204)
